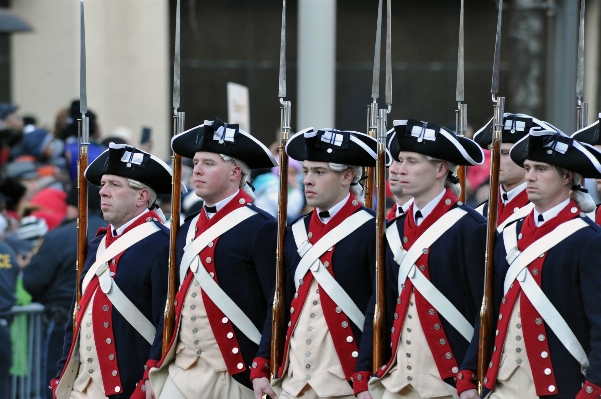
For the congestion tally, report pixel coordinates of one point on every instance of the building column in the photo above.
(316, 63)
(128, 63)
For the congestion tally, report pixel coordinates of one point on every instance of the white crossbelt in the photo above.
(128, 239)
(122, 303)
(191, 259)
(520, 213)
(408, 269)
(310, 255)
(518, 270)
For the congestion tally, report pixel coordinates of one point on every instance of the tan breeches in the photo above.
(92, 391)
(309, 393)
(408, 393)
(200, 381)
(518, 386)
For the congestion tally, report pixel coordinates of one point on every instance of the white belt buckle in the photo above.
(103, 269)
(315, 266)
(400, 255)
(304, 248)
(512, 255)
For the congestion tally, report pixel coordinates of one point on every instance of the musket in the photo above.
(82, 164)
(372, 109)
(176, 165)
(379, 322)
(277, 322)
(486, 337)
(461, 111)
(581, 107)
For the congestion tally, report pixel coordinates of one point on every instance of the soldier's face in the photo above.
(547, 185)
(214, 179)
(325, 187)
(118, 201)
(510, 174)
(394, 178)
(418, 174)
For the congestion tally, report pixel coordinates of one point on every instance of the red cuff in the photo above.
(589, 391)
(140, 391)
(259, 368)
(149, 364)
(360, 380)
(465, 380)
(53, 385)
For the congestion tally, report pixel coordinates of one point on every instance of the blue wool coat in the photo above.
(571, 279)
(456, 268)
(142, 273)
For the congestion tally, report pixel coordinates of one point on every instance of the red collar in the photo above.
(139, 221)
(412, 232)
(531, 233)
(319, 228)
(240, 200)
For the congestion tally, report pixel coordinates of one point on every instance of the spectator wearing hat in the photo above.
(50, 276)
(227, 271)
(513, 200)
(124, 282)
(70, 133)
(547, 282)
(434, 269)
(592, 135)
(327, 291)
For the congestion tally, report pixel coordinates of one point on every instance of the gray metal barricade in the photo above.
(27, 379)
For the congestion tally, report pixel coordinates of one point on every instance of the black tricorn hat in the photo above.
(331, 145)
(515, 127)
(590, 134)
(435, 141)
(555, 148)
(223, 138)
(392, 145)
(131, 162)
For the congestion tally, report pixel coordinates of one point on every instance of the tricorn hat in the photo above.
(515, 127)
(435, 141)
(555, 148)
(132, 163)
(223, 138)
(590, 134)
(331, 145)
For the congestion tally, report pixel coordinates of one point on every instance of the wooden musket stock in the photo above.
(82, 217)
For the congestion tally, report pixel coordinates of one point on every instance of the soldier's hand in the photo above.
(469, 394)
(261, 387)
(149, 391)
(364, 395)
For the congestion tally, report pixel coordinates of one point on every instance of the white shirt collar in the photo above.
(400, 209)
(220, 204)
(120, 230)
(511, 194)
(550, 214)
(333, 210)
(428, 208)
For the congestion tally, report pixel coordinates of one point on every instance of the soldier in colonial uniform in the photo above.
(513, 201)
(124, 282)
(226, 257)
(547, 282)
(330, 260)
(402, 201)
(434, 269)
(592, 135)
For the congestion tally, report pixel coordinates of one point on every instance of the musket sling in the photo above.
(518, 270)
(310, 255)
(408, 269)
(191, 260)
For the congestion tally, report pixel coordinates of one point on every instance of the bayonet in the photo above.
(581, 107)
(495, 70)
(461, 112)
(83, 99)
(388, 93)
(176, 61)
(375, 84)
(282, 81)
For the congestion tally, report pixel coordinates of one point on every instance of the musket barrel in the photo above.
(379, 320)
(372, 130)
(176, 180)
(277, 322)
(82, 202)
(486, 336)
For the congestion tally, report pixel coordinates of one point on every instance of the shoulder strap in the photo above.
(311, 253)
(192, 249)
(128, 239)
(520, 213)
(519, 260)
